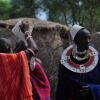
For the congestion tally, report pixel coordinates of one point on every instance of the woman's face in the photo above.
(83, 40)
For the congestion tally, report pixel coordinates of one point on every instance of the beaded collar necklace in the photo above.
(79, 68)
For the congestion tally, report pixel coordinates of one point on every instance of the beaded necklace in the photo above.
(80, 68)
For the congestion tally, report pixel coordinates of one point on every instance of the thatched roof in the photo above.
(39, 25)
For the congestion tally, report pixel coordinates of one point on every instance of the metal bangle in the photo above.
(29, 36)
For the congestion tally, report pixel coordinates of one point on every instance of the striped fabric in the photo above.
(15, 81)
(41, 86)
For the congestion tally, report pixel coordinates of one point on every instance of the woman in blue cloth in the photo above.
(79, 69)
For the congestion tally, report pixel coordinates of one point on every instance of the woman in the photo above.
(79, 69)
(18, 82)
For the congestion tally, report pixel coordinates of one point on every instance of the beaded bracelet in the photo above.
(27, 33)
(29, 36)
(30, 50)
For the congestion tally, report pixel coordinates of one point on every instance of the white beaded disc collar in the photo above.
(79, 68)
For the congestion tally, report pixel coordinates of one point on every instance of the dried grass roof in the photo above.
(39, 25)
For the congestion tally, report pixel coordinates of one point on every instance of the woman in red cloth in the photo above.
(39, 80)
(15, 81)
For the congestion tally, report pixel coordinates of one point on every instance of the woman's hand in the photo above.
(26, 28)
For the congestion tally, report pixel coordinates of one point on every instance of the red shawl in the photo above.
(15, 81)
(40, 82)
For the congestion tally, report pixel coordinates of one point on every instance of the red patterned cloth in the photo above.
(41, 86)
(15, 81)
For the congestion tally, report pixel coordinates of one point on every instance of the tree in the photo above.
(26, 8)
(4, 9)
(69, 12)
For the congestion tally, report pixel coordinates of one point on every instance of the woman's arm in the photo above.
(32, 48)
(26, 29)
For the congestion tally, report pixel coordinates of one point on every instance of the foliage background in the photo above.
(68, 12)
